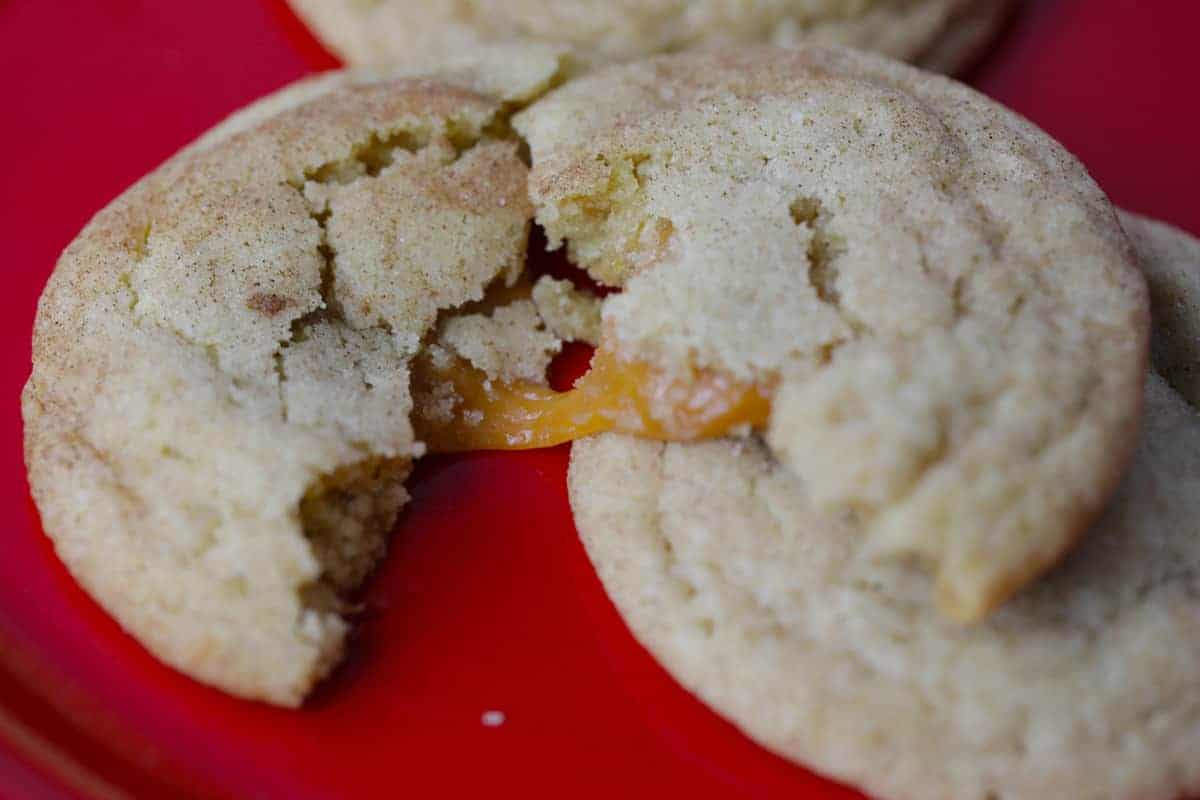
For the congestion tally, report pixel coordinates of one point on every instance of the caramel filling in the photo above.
(616, 395)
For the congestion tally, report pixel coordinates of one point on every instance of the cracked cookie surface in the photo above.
(1085, 685)
(940, 299)
(217, 424)
(943, 35)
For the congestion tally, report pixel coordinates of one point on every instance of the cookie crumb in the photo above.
(571, 314)
(509, 344)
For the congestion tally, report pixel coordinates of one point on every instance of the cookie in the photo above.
(217, 423)
(938, 301)
(1085, 685)
(943, 35)
(1169, 259)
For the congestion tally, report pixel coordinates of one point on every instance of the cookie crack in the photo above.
(125, 280)
(140, 249)
(329, 311)
(671, 560)
(821, 254)
(281, 375)
(346, 514)
(367, 160)
(102, 457)
(370, 157)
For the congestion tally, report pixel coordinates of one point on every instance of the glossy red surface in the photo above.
(487, 602)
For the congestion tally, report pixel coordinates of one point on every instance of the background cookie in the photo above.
(1169, 260)
(1083, 686)
(943, 35)
(217, 423)
(938, 297)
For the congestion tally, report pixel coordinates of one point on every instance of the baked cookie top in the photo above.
(217, 424)
(943, 35)
(941, 301)
(1084, 685)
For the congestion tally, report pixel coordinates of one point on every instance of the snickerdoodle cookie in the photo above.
(1085, 685)
(217, 425)
(941, 35)
(937, 298)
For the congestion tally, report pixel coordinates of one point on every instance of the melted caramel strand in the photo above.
(616, 395)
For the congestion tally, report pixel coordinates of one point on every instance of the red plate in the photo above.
(487, 602)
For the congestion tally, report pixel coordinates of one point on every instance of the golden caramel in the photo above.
(616, 395)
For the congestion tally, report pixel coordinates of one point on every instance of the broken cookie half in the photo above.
(923, 304)
(217, 424)
(934, 297)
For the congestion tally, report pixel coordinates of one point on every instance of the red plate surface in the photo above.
(487, 602)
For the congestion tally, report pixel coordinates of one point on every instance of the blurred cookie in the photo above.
(1169, 260)
(1085, 685)
(217, 424)
(943, 35)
